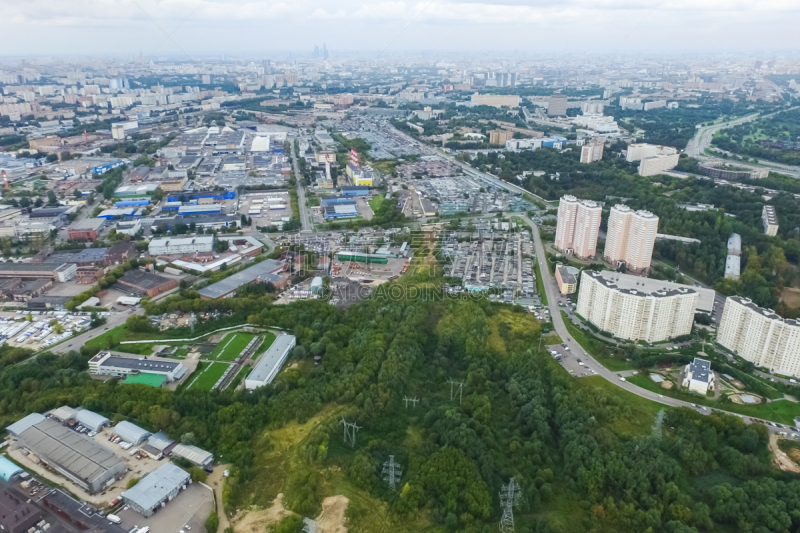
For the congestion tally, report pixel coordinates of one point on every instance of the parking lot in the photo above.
(576, 363)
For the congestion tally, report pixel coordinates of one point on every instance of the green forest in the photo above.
(776, 138)
(587, 456)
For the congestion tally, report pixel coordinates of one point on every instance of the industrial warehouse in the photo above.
(156, 489)
(270, 363)
(266, 270)
(81, 460)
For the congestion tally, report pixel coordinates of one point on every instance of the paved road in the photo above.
(702, 138)
(75, 343)
(301, 192)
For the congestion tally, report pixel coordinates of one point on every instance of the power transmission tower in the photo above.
(350, 429)
(412, 400)
(456, 387)
(658, 426)
(310, 525)
(391, 472)
(509, 498)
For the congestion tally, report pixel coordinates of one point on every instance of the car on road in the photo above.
(660, 396)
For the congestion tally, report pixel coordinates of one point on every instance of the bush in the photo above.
(198, 474)
(212, 522)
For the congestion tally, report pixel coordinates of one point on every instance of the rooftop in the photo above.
(88, 224)
(157, 485)
(566, 276)
(701, 370)
(143, 280)
(265, 270)
(154, 364)
(268, 362)
(653, 287)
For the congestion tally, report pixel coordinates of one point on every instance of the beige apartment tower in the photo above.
(630, 238)
(761, 336)
(633, 314)
(578, 226)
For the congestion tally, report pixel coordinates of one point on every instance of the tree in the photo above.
(212, 522)
(198, 474)
(77, 194)
(51, 198)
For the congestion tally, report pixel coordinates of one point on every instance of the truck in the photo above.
(114, 519)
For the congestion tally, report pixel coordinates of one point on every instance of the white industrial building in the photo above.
(108, 364)
(760, 336)
(91, 420)
(156, 489)
(657, 164)
(185, 245)
(131, 433)
(193, 454)
(635, 314)
(270, 363)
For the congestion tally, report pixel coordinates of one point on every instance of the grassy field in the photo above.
(376, 202)
(540, 282)
(209, 377)
(230, 347)
(269, 338)
(239, 377)
(591, 345)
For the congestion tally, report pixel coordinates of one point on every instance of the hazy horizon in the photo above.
(175, 28)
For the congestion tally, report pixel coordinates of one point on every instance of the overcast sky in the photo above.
(237, 26)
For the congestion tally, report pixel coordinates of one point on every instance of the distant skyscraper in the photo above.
(316, 51)
(578, 226)
(324, 51)
(630, 238)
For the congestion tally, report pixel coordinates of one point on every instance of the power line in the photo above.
(391, 472)
(350, 429)
(456, 388)
(509, 498)
(414, 401)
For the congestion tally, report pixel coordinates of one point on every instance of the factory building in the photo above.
(156, 489)
(187, 245)
(131, 433)
(86, 463)
(267, 270)
(760, 336)
(193, 454)
(578, 226)
(143, 283)
(270, 362)
(86, 230)
(107, 364)
(635, 314)
(91, 420)
(24, 423)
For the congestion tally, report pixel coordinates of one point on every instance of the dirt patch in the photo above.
(332, 518)
(780, 459)
(791, 296)
(259, 521)
(666, 385)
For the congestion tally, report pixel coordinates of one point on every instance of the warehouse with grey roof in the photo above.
(77, 457)
(156, 489)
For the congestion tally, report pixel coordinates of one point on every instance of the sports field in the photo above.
(230, 347)
(209, 377)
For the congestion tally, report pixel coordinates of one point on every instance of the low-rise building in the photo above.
(698, 376)
(178, 245)
(567, 279)
(85, 230)
(156, 489)
(144, 283)
(108, 364)
(270, 362)
(193, 454)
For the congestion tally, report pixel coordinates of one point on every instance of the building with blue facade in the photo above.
(188, 196)
(355, 191)
(133, 203)
(105, 168)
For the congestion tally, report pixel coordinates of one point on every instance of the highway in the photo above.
(301, 192)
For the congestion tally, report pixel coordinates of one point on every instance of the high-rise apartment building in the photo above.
(770, 219)
(634, 314)
(761, 336)
(630, 238)
(592, 152)
(557, 106)
(578, 226)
